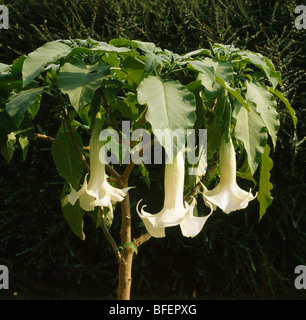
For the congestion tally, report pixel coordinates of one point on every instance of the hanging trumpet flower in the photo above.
(227, 195)
(97, 192)
(175, 210)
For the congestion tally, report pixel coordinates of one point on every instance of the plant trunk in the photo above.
(125, 275)
(125, 263)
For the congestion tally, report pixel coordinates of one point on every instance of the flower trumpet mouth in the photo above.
(175, 211)
(227, 195)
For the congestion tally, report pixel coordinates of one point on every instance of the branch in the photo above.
(131, 165)
(127, 171)
(112, 171)
(142, 239)
(109, 237)
(43, 137)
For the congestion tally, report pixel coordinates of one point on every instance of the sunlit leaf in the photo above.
(36, 60)
(265, 106)
(250, 129)
(19, 103)
(80, 81)
(265, 186)
(170, 105)
(287, 104)
(73, 214)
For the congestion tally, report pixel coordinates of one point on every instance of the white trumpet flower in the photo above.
(97, 192)
(175, 210)
(227, 195)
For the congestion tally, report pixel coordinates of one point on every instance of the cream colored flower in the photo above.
(175, 210)
(97, 192)
(227, 195)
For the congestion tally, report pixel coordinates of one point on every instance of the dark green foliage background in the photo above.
(234, 256)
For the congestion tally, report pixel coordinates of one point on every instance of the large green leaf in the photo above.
(7, 150)
(4, 67)
(73, 214)
(101, 47)
(133, 69)
(127, 107)
(207, 77)
(170, 105)
(250, 129)
(80, 81)
(6, 122)
(265, 106)
(19, 103)
(151, 63)
(264, 64)
(265, 186)
(36, 60)
(66, 158)
(24, 144)
(287, 104)
(214, 134)
(216, 74)
(224, 74)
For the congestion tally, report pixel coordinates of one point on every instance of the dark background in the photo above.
(234, 257)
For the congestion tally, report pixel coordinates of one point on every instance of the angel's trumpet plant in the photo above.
(175, 210)
(97, 192)
(227, 195)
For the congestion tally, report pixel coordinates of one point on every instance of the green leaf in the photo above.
(151, 63)
(145, 173)
(214, 134)
(36, 60)
(134, 70)
(220, 107)
(80, 81)
(145, 46)
(170, 105)
(132, 246)
(10, 81)
(265, 186)
(250, 129)
(265, 106)
(4, 67)
(6, 122)
(224, 70)
(245, 172)
(18, 64)
(264, 64)
(24, 144)
(73, 214)
(197, 52)
(101, 47)
(287, 104)
(127, 107)
(122, 42)
(207, 77)
(224, 75)
(108, 216)
(19, 103)
(8, 149)
(66, 158)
